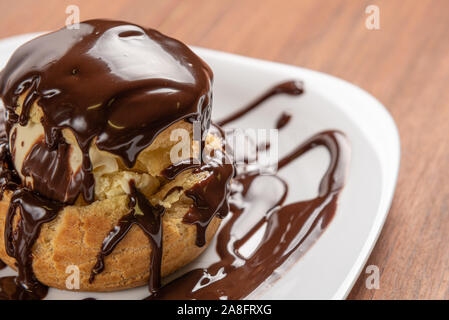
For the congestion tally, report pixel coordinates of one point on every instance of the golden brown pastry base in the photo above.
(76, 235)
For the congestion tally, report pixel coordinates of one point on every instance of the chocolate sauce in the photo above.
(43, 164)
(175, 169)
(290, 230)
(172, 190)
(34, 211)
(210, 196)
(148, 82)
(293, 88)
(210, 199)
(149, 219)
(283, 120)
(9, 179)
(113, 84)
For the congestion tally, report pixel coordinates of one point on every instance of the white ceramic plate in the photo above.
(328, 270)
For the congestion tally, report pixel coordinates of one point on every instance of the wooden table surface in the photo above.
(405, 65)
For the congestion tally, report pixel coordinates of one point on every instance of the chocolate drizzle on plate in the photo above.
(290, 230)
(283, 120)
(292, 88)
(149, 219)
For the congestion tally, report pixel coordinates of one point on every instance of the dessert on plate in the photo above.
(109, 160)
(110, 165)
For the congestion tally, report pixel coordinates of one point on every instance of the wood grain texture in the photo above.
(405, 65)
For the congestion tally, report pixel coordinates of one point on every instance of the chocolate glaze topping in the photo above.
(113, 84)
(149, 219)
(175, 169)
(210, 199)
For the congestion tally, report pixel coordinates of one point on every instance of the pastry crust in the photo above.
(76, 235)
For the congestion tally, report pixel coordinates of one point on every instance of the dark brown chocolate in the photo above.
(9, 179)
(149, 219)
(210, 199)
(291, 230)
(210, 196)
(175, 169)
(293, 88)
(283, 120)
